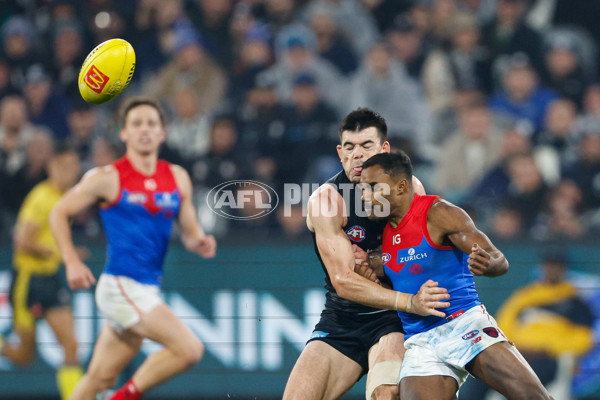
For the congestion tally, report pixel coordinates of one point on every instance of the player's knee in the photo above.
(23, 357)
(535, 392)
(193, 353)
(382, 381)
(386, 392)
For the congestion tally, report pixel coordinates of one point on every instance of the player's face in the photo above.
(376, 187)
(143, 131)
(356, 148)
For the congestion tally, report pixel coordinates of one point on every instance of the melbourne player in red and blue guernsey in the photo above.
(429, 241)
(140, 196)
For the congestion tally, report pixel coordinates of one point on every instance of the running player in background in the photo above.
(429, 238)
(139, 196)
(36, 289)
(351, 339)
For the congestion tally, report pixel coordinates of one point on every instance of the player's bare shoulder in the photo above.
(102, 182)
(326, 202)
(182, 178)
(447, 216)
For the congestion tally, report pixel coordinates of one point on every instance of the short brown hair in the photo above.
(134, 102)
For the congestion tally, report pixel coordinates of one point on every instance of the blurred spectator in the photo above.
(522, 97)
(468, 153)
(155, 37)
(585, 172)
(263, 126)
(563, 71)
(212, 19)
(356, 24)
(191, 68)
(461, 65)
(442, 14)
(253, 56)
(488, 192)
(407, 45)
(190, 129)
(103, 152)
(484, 10)
(561, 219)
(559, 133)
(382, 84)
(331, 46)
(19, 50)
(225, 161)
(279, 14)
(386, 11)
(590, 115)
(296, 54)
(507, 34)
(507, 223)
(38, 152)
(85, 127)
(527, 190)
(47, 105)
(68, 56)
(15, 133)
(6, 86)
(538, 318)
(309, 128)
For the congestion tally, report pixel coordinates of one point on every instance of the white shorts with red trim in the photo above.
(446, 349)
(123, 300)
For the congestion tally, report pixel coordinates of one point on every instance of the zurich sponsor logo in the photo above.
(166, 200)
(410, 255)
(470, 335)
(318, 334)
(356, 233)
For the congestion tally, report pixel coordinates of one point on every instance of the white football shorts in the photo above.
(446, 349)
(123, 300)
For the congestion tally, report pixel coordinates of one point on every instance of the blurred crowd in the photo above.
(496, 101)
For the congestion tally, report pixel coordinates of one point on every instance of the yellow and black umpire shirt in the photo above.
(36, 286)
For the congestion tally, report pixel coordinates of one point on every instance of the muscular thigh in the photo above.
(389, 348)
(321, 373)
(435, 387)
(503, 368)
(113, 351)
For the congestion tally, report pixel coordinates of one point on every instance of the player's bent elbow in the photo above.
(342, 285)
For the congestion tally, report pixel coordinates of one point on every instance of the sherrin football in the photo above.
(106, 71)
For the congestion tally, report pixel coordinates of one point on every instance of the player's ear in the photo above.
(385, 147)
(339, 150)
(401, 186)
(123, 134)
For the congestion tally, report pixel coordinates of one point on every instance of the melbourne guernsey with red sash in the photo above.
(411, 258)
(138, 224)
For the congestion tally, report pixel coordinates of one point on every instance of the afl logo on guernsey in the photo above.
(385, 257)
(356, 233)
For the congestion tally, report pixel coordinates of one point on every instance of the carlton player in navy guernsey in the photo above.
(140, 197)
(427, 239)
(351, 338)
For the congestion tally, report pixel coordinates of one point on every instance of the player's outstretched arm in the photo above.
(445, 220)
(193, 237)
(95, 186)
(325, 213)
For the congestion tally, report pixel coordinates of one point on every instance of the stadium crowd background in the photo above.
(497, 101)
